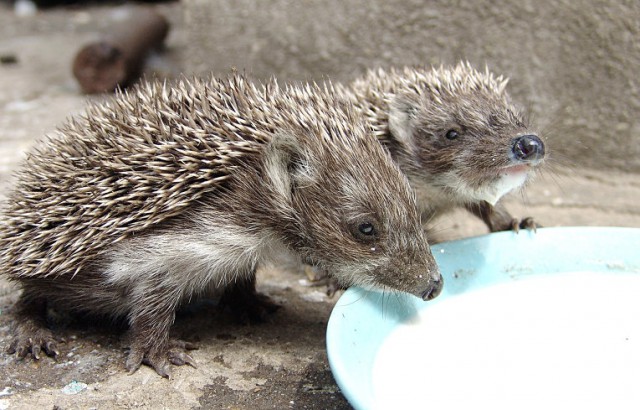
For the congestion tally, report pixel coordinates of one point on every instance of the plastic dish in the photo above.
(573, 288)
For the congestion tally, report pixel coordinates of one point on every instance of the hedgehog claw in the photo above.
(181, 358)
(51, 349)
(528, 223)
(134, 360)
(319, 277)
(35, 351)
(160, 359)
(333, 286)
(160, 365)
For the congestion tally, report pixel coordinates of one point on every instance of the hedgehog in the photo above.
(456, 135)
(170, 192)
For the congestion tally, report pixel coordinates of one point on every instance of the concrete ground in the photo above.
(280, 364)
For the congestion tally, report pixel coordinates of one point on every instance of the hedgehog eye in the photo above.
(364, 231)
(452, 134)
(367, 228)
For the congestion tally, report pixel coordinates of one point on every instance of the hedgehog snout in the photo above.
(433, 290)
(528, 148)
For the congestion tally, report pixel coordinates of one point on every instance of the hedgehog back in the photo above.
(127, 165)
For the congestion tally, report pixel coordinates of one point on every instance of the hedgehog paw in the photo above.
(159, 363)
(320, 277)
(333, 286)
(35, 342)
(160, 359)
(527, 223)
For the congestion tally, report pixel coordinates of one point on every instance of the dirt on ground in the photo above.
(278, 364)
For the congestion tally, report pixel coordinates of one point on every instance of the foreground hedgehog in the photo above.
(456, 135)
(166, 193)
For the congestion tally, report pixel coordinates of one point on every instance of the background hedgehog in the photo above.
(456, 135)
(167, 193)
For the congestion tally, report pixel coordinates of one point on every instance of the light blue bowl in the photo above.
(361, 320)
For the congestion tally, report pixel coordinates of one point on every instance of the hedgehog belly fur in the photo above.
(183, 264)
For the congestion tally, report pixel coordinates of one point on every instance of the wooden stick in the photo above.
(118, 58)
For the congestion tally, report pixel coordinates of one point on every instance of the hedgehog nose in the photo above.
(434, 290)
(528, 148)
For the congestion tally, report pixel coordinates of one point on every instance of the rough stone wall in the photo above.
(573, 64)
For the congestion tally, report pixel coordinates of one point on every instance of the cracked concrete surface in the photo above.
(280, 364)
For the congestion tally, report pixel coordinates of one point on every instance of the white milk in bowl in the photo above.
(569, 340)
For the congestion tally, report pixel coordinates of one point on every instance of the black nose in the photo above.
(528, 148)
(434, 290)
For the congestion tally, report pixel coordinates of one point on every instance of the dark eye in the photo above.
(364, 231)
(452, 134)
(367, 229)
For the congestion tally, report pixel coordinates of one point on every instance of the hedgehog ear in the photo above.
(286, 163)
(402, 120)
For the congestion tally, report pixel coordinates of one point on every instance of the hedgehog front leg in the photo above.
(150, 322)
(497, 218)
(30, 328)
(245, 303)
